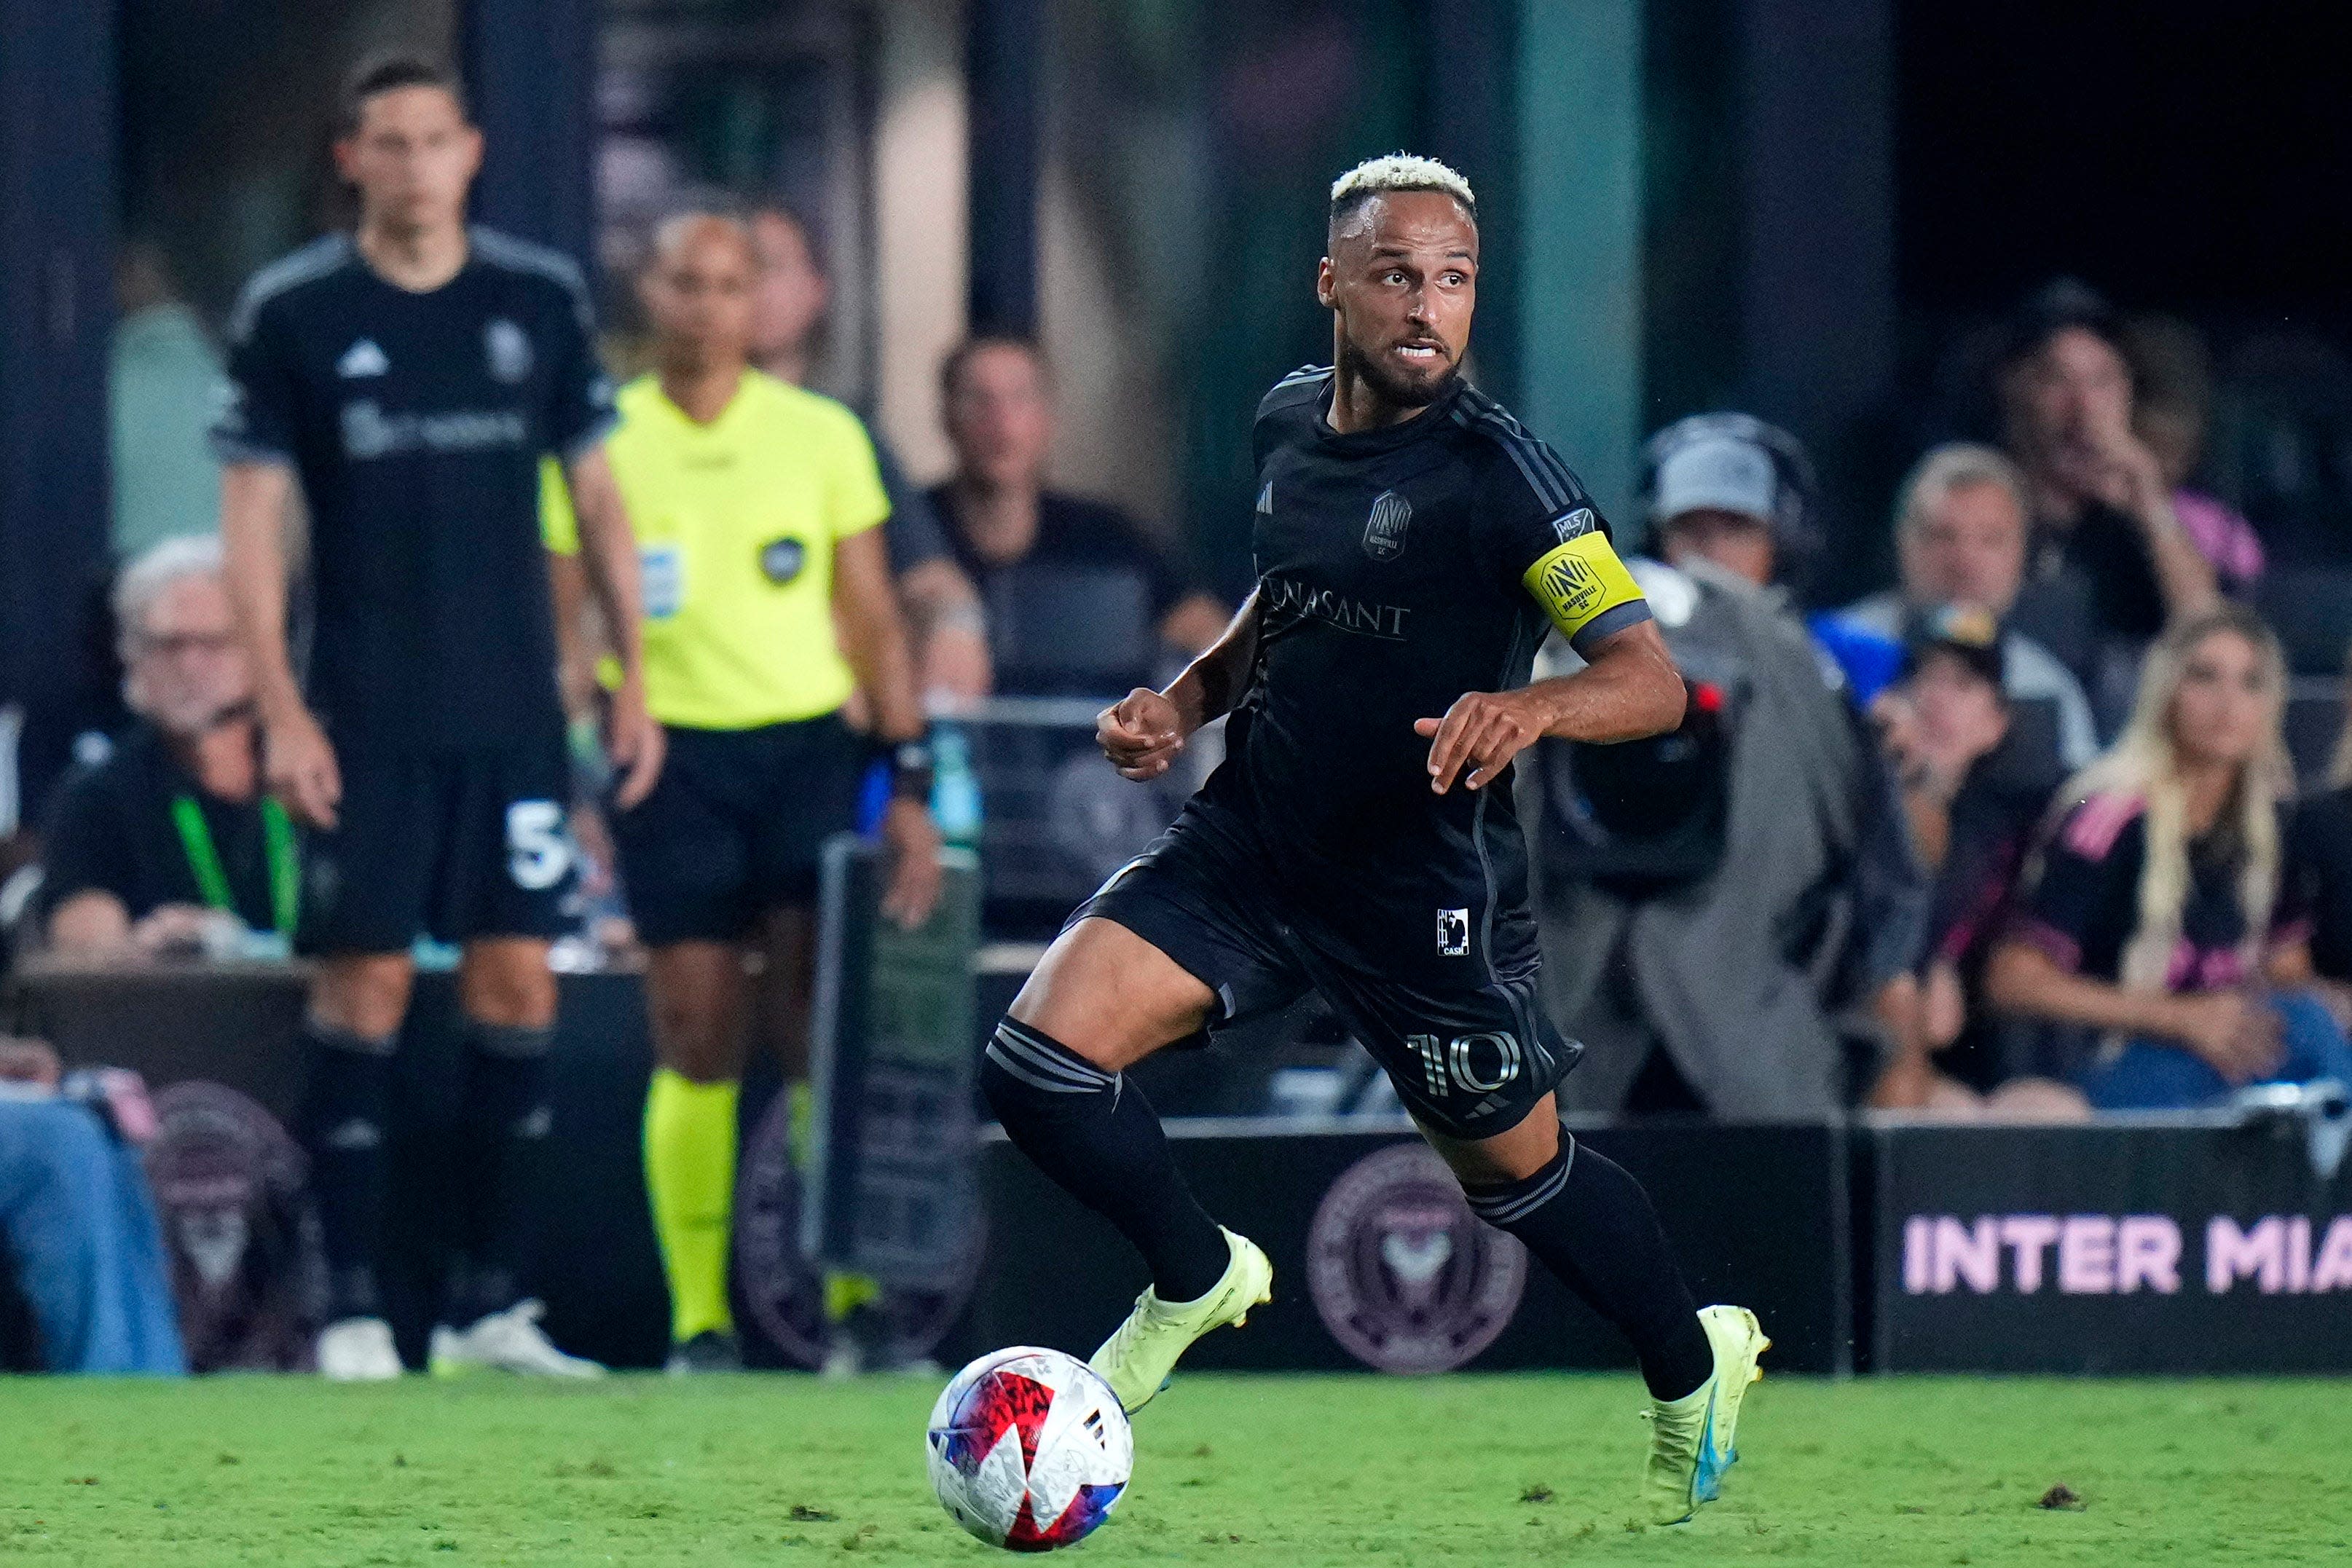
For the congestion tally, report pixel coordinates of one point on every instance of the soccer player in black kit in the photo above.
(409, 376)
(1414, 542)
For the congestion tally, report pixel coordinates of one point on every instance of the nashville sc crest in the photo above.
(1384, 530)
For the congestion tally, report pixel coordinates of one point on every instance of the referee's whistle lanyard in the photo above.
(278, 845)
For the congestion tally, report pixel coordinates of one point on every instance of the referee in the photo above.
(408, 377)
(757, 507)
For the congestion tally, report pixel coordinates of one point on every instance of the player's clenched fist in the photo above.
(1140, 734)
(1483, 730)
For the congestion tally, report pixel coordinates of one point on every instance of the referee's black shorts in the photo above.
(453, 842)
(1470, 1058)
(733, 828)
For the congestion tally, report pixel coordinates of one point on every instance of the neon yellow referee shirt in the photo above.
(736, 522)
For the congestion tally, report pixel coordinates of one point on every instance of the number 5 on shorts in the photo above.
(538, 854)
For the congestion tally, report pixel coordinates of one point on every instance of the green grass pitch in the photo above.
(1290, 1472)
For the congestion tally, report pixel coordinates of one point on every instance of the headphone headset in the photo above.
(1794, 492)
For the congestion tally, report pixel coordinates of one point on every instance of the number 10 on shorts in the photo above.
(1475, 1063)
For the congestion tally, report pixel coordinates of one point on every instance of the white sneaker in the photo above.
(510, 1341)
(358, 1350)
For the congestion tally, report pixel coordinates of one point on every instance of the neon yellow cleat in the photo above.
(1691, 1437)
(1137, 1359)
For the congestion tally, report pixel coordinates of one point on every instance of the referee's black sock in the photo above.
(1591, 1223)
(342, 1126)
(503, 1123)
(1096, 1135)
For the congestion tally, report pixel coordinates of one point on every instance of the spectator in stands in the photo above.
(2172, 406)
(1960, 538)
(1728, 973)
(943, 614)
(1972, 811)
(2111, 563)
(77, 1227)
(2154, 913)
(169, 844)
(996, 396)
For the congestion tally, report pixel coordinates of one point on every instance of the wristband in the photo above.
(911, 770)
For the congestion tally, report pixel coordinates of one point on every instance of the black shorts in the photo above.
(734, 824)
(1469, 1060)
(454, 844)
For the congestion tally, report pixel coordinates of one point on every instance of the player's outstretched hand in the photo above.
(298, 765)
(914, 841)
(1140, 734)
(1482, 731)
(635, 743)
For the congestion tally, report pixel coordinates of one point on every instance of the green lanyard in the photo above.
(212, 881)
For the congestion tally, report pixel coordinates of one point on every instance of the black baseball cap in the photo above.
(1967, 632)
(2059, 305)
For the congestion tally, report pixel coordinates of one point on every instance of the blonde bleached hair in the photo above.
(1398, 172)
(2145, 762)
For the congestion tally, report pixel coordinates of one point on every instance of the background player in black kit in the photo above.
(410, 376)
(1412, 542)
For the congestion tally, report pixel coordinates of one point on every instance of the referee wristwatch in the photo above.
(911, 770)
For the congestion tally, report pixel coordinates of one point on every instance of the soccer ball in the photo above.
(1029, 1448)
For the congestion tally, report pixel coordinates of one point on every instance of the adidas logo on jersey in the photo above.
(1265, 500)
(362, 359)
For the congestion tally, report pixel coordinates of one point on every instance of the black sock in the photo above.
(502, 1125)
(1591, 1223)
(342, 1127)
(1097, 1137)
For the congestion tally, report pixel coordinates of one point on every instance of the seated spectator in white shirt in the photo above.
(1960, 538)
(168, 845)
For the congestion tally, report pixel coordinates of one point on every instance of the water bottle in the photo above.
(955, 788)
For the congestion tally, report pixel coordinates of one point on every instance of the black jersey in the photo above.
(1398, 569)
(415, 421)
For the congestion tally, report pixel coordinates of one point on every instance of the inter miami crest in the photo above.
(1384, 531)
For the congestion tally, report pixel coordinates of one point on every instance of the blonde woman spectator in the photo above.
(2155, 912)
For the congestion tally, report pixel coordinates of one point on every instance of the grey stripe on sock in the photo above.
(515, 1043)
(335, 1038)
(1060, 1063)
(1500, 1210)
(1036, 1080)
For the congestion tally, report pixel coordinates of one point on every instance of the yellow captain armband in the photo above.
(1585, 589)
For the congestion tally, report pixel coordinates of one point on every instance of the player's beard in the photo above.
(1397, 391)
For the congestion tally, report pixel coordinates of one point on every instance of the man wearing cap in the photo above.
(1731, 490)
(1724, 993)
(2111, 563)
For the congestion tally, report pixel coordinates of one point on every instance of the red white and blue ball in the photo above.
(1029, 1449)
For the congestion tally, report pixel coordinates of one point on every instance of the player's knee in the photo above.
(364, 996)
(698, 1041)
(508, 985)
